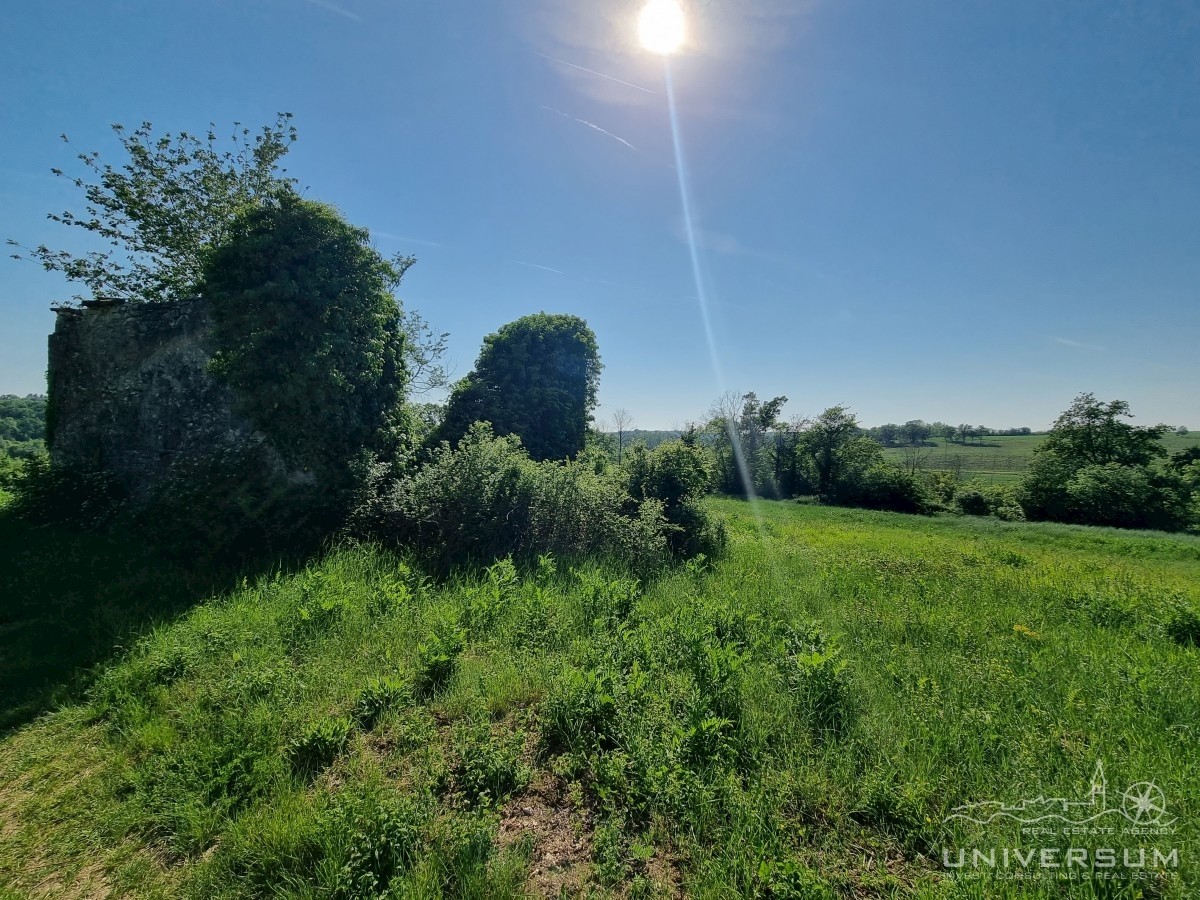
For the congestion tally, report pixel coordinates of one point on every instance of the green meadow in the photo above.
(998, 458)
(797, 719)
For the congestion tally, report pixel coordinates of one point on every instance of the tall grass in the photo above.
(794, 720)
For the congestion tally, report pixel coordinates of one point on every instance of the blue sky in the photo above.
(956, 210)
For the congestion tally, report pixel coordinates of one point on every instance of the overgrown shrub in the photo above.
(380, 695)
(814, 673)
(486, 499)
(971, 501)
(1127, 497)
(486, 768)
(319, 745)
(979, 499)
(884, 486)
(69, 495)
(678, 475)
(307, 332)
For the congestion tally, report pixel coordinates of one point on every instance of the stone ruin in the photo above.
(130, 392)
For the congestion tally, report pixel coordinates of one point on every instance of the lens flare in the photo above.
(661, 27)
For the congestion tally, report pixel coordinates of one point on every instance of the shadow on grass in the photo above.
(69, 599)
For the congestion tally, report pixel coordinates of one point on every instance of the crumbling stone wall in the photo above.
(129, 391)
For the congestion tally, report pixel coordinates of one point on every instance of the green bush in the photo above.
(971, 501)
(814, 674)
(67, 495)
(1127, 497)
(380, 695)
(678, 475)
(377, 837)
(979, 499)
(486, 768)
(486, 500)
(319, 745)
(307, 331)
(884, 486)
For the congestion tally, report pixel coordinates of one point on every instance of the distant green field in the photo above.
(994, 458)
(800, 719)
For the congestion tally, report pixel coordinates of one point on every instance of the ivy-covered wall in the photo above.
(129, 391)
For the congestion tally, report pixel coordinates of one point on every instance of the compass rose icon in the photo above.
(1143, 803)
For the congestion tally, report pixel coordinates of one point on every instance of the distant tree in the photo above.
(1181, 459)
(22, 419)
(835, 453)
(535, 378)
(886, 434)
(621, 421)
(915, 459)
(1090, 432)
(173, 200)
(915, 431)
(1094, 468)
(1182, 431)
(757, 420)
(738, 426)
(941, 430)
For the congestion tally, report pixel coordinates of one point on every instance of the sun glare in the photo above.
(660, 26)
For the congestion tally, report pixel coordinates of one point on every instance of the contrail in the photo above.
(536, 266)
(334, 8)
(615, 137)
(406, 240)
(636, 87)
(1070, 343)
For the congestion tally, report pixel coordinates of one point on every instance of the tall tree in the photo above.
(1090, 432)
(536, 378)
(158, 214)
(738, 426)
(835, 452)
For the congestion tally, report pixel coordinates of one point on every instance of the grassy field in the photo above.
(797, 720)
(995, 459)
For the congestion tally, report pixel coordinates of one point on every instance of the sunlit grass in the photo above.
(794, 720)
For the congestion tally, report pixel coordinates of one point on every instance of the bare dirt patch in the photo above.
(560, 837)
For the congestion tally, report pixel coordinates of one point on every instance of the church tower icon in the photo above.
(1099, 789)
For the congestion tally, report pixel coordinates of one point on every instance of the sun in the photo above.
(661, 26)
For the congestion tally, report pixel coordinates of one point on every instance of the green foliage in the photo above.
(678, 475)
(487, 499)
(318, 746)
(535, 378)
(884, 486)
(379, 696)
(1094, 469)
(436, 659)
(835, 456)
(22, 426)
(67, 495)
(977, 498)
(1091, 433)
(1182, 624)
(486, 765)
(698, 737)
(814, 673)
(738, 433)
(307, 333)
(1126, 496)
(162, 211)
(972, 501)
(381, 837)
